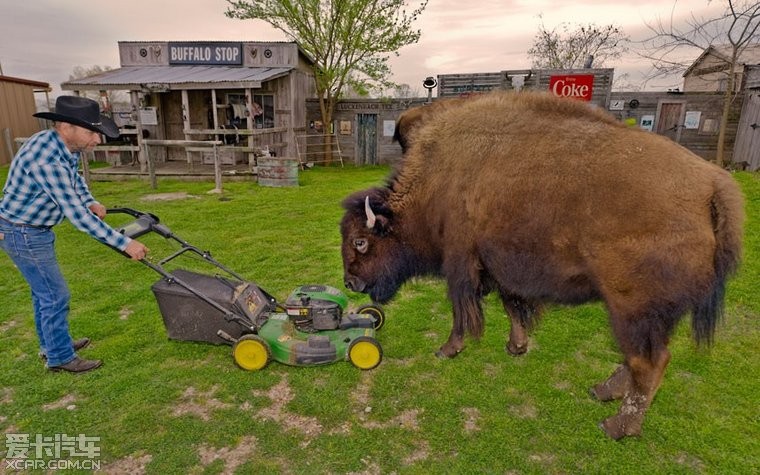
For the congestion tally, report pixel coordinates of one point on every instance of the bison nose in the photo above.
(354, 283)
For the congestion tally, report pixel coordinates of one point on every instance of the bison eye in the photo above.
(361, 245)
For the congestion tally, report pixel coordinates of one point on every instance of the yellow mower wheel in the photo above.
(365, 353)
(251, 352)
(374, 311)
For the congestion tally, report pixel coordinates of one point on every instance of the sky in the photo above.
(44, 40)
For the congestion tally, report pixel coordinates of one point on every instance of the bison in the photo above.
(412, 119)
(551, 200)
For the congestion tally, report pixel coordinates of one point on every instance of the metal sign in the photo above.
(218, 54)
(577, 86)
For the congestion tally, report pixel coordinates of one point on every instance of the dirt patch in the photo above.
(280, 395)
(472, 416)
(232, 457)
(4, 327)
(125, 312)
(199, 403)
(134, 465)
(66, 402)
(420, 453)
(524, 411)
(180, 195)
(691, 462)
(6, 395)
(360, 397)
(372, 468)
(407, 420)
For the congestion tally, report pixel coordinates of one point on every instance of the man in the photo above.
(43, 188)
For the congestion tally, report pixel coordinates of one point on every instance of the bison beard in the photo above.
(545, 199)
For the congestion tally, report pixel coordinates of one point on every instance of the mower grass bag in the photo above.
(189, 318)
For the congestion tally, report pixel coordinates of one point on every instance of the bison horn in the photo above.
(370, 214)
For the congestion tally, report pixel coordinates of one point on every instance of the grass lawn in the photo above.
(166, 407)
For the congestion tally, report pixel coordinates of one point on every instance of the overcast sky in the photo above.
(44, 40)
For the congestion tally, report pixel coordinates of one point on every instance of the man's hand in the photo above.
(98, 210)
(136, 250)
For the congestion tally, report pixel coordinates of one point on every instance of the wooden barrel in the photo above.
(277, 171)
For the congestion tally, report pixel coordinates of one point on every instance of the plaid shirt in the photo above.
(43, 188)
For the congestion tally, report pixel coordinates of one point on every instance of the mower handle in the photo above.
(143, 224)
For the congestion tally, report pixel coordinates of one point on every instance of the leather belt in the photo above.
(23, 225)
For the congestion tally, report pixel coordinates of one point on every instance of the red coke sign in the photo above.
(577, 86)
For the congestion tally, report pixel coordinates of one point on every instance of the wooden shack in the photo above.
(17, 105)
(747, 147)
(710, 71)
(363, 128)
(690, 119)
(592, 85)
(248, 96)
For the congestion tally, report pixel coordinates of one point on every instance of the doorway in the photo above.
(670, 117)
(366, 140)
(747, 147)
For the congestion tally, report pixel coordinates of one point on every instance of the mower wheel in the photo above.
(251, 352)
(365, 353)
(374, 311)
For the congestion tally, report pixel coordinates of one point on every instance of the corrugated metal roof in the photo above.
(138, 76)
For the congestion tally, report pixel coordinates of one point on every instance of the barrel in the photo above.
(277, 171)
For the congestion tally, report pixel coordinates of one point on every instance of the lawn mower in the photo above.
(311, 328)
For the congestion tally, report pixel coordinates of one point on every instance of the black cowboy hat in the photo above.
(82, 112)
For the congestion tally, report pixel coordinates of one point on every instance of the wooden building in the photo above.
(363, 128)
(709, 72)
(690, 119)
(248, 95)
(592, 85)
(747, 147)
(17, 105)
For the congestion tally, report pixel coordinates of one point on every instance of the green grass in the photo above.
(164, 406)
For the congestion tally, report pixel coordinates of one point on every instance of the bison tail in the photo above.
(727, 210)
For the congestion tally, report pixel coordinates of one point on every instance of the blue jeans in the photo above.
(33, 251)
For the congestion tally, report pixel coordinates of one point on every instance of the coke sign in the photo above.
(577, 86)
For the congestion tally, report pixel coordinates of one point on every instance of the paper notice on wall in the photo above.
(691, 120)
(148, 116)
(389, 126)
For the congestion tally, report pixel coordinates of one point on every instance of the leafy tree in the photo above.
(350, 40)
(737, 26)
(564, 48)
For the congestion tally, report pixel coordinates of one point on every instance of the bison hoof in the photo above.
(617, 427)
(517, 350)
(444, 353)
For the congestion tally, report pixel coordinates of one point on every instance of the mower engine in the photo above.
(314, 308)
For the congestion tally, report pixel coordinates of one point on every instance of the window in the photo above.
(262, 110)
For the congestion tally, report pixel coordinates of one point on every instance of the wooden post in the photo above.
(142, 157)
(151, 169)
(215, 113)
(251, 125)
(86, 166)
(8, 142)
(217, 172)
(186, 124)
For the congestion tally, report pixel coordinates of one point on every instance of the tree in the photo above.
(404, 91)
(80, 72)
(350, 40)
(737, 26)
(563, 48)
